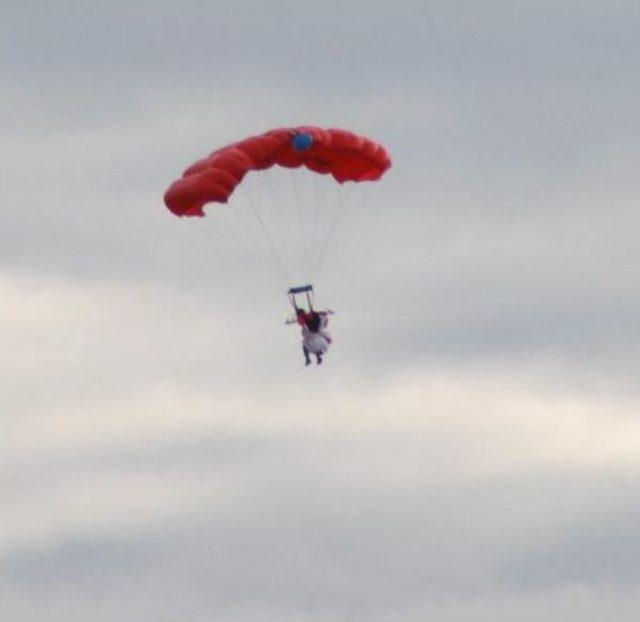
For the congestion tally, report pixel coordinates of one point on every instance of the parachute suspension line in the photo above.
(316, 227)
(334, 221)
(301, 222)
(216, 240)
(274, 208)
(323, 213)
(274, 253)
(228, 231)
(346, 202)
(222, 235)
(247, 225)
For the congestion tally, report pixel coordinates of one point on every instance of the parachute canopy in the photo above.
(343, 154)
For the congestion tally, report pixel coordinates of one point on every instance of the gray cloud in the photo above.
(468, 452)
(324, 547)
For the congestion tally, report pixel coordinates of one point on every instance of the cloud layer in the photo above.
(470, 449)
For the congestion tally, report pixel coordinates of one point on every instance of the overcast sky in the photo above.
(469, 451)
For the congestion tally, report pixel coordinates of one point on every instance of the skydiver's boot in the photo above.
(319, 357)
(307, 360)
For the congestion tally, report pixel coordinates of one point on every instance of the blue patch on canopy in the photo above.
(302, 142)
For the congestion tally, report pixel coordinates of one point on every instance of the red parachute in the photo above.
(343, 154)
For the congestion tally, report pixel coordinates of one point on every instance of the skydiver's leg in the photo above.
(307, 360)
(319, 357)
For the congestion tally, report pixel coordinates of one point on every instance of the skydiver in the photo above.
(315, 338)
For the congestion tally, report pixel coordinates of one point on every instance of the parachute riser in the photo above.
(302, 289)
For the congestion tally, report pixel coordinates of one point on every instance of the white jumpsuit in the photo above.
(317, 343)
